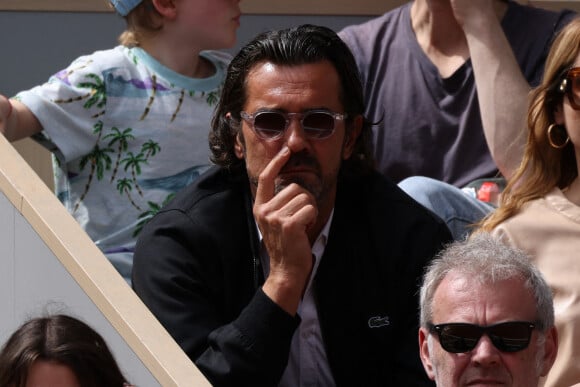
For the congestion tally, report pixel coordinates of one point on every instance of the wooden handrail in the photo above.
(92, 271)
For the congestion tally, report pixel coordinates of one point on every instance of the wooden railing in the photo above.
(46, 259)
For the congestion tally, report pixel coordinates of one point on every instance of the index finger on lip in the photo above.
(265, 190)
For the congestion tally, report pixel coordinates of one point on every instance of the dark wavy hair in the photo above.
(64, 340)
(295, 46)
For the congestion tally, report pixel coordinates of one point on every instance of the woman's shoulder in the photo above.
(542, 215)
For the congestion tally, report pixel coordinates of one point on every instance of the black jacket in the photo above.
(196, 266)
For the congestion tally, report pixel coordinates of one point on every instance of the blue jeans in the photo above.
(456, 208)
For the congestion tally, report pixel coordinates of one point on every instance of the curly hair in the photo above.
(304, 44)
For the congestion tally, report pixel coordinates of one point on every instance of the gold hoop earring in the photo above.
(551, 141)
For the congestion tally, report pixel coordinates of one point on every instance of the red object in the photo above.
(488, 192)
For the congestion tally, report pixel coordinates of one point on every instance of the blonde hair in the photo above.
(142, 22)
(543, 167)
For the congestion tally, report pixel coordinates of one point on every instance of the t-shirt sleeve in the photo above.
(69, 105)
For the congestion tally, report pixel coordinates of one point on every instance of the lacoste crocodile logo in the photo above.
(378, 322)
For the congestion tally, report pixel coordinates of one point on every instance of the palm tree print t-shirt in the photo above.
(129, 133)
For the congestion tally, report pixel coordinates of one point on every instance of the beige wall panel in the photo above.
(296, 7)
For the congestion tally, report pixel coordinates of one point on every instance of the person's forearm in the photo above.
(17, 121)
(502, 92)
(251, 350)
(285, 292)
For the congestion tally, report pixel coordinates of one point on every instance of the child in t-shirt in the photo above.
(129, 125)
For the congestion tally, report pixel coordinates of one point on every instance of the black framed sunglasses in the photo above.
(570, 84)
(511, 336)
(271, 124)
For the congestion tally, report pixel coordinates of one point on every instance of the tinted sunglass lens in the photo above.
(459, 338)
(319, 120)
(318, 124)
(511, 337)
(269, 124)
(575, 79)
(575, 87)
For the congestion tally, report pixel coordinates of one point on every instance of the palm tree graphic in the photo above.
(150, 148)
(179, 103)
(125, 186)
(99, 161)
(212, 98)
(151, 97)
(97, 95)
(121, 138)
(133, 162)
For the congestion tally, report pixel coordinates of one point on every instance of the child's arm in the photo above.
(16, 120)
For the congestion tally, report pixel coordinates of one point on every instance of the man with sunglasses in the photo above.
(292, 262)
(487, 317)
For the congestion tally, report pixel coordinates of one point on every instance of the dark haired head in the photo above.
(296, 46)
(63, 340)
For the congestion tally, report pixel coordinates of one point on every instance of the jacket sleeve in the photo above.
(178, 272)
(430, 238)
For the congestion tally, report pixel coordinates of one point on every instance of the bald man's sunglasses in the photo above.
(271, 124)
(570, 84)
(512, 336)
